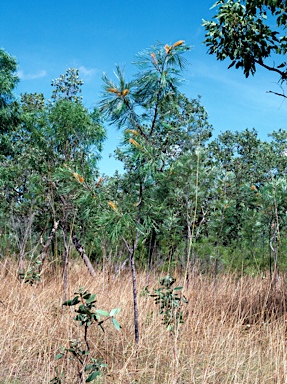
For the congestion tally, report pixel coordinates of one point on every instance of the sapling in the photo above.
(170, 302)
(88, 367)
(32, 274)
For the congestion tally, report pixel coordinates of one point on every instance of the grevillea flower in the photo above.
(135, 143)
(178, 43)
(113, 90)
(154, 59)
(78, 177)
(167, 49)
(134, 131)
(125, 92)
(112, 205)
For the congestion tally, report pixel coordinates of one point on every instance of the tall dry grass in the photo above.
(234, 331)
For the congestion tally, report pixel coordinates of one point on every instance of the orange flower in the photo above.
(178, 43)
(135, 132)
(154, 59)
(114, 90)
(135, 143)
(78, 177)
(99, 182)
(125, 92)
(253, 188)
(112, 205)
(167, 49)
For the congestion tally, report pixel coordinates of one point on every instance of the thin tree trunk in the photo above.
(45, 247)
(23, 242)
(136, 311)
(83, 255)
(65, 264)
(135, 300)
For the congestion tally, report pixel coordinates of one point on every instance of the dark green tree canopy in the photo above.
(248, 33)
(9, 111)
(8, 77)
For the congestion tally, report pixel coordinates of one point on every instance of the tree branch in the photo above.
(283, 74)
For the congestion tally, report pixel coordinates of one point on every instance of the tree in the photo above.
(244, 31)
(160, 125)
(8, 104)
(56, 146)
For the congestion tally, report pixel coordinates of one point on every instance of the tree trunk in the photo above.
(136, 311)
(83, 255)
(65, 259)
(135, 299)
(45, 247)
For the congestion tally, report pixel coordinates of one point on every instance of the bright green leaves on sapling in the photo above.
(88, 368)
(170, 301)
(87, 312)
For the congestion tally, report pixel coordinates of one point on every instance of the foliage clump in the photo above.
(88, 368)
(170, 301)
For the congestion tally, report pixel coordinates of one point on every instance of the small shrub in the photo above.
(88, 367)
(170, 302)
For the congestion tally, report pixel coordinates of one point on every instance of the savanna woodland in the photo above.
(185, 251)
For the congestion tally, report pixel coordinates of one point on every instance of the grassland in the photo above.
(234, 330)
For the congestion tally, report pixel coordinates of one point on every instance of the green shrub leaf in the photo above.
(93, 376)
(102, 313)
(116, 324)
(114, 311)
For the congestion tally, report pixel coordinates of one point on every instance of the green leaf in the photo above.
(114, 311)
(59, 356)
(116, 324)
(93, 376)
(177, 288)
(70, 303)
(102, 313)
(91, 299)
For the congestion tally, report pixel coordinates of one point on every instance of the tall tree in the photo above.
(160, 124)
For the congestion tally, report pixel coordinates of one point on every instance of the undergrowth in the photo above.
(234, 330)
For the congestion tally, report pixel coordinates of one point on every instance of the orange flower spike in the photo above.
(178, 43)
(167, 49)
(253, 188)
(113, 90)
(78, 177)
(125, 92)
(112, 205)
(135, 143)
(99, 182)
(134, 131)
(154, 59)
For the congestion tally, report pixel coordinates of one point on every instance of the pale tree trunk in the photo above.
(65, 259)
(45, 246)
(24, 239)
(83, 255)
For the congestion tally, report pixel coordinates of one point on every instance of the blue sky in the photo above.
(47, 37)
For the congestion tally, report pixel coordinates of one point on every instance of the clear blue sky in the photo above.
(47, 37)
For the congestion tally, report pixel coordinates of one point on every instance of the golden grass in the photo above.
(233, 332)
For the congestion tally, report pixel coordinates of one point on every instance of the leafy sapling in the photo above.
(170, 302)
(31, 275)
(88, 368)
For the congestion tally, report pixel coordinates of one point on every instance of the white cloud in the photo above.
(87, 72)
(31, 76)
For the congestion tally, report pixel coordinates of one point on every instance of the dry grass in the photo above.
(234, 331)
